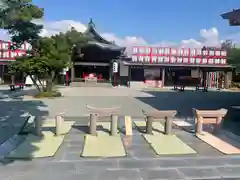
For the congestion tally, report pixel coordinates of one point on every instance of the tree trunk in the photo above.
(41, 84)
(55, 76)
(49, 82)
(35, 83)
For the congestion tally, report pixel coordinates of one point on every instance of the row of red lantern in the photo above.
(6, 54)
(141, 50)
(177, 60)
(11, 54)
(6, 45)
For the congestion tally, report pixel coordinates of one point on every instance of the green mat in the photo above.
(103, 145)
(38, 147)
(164, 144)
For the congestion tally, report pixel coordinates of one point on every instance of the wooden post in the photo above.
(149, 124)
(114, 125)
(38, 126)
(168, 126)
(218, 125)
(13, 79)
(199, 124)
(72, 73)
(110, 72)
(2, 71)
(93, 124)
(163, 77)
(225, 80)
(128, 126)
(59, 122)
(129, 76)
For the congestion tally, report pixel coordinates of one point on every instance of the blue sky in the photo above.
(154, 20)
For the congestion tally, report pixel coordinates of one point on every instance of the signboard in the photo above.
(153, 55)
(154, 83)
(6, 54)
(115, 67)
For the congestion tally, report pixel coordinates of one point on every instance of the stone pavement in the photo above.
(132, 101)
(14, 110)
(141, 162)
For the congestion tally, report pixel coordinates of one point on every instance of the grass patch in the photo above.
(51, 94)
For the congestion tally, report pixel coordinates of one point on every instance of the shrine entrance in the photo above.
(100, 71)
(93, 61)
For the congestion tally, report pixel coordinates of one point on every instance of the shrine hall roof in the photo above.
(97, 39)
(106, 46)
(234, 15)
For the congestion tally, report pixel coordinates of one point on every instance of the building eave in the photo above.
(92, 33)
(232, 15)
(226, 66)
(106, 46)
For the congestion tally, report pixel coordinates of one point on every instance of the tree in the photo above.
(234, 58)
(48, 57)
(228, 45)
(43, 61)
(233, 53)
(76, 38)
(17, 18)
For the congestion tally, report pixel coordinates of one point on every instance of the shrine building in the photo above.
(149, 66)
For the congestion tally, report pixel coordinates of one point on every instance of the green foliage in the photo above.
(75, 38)
(234, 58)
(49, 94)
(228, 45)
(49, 54)
(235, 85)
(233, 53)
(17, 18)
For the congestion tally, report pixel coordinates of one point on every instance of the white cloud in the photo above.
(4, 35)
(211, 37)
(54, 27)
(191, 43)
(128, 41)
(208, 37)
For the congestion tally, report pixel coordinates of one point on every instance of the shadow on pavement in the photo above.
(183, 102)
(13, 114)
(5, 92)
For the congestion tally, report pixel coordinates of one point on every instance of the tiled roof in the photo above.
(98, 39)
(180, 65)
(232, 15)
(107, 46)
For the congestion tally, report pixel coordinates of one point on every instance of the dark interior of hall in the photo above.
(93, 53)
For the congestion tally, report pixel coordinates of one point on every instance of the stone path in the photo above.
(141, 162)
(224, 168)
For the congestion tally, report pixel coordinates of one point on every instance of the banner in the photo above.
(154, 83)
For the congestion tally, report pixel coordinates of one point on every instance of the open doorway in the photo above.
(101, 72)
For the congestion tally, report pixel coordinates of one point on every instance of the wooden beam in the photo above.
(128, 126)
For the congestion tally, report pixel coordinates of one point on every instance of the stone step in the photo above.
(90, 84)
(137, 85)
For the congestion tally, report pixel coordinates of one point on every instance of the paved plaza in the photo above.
(141, 163)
